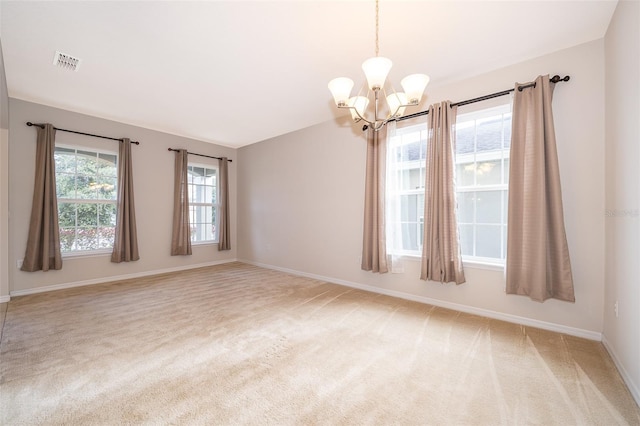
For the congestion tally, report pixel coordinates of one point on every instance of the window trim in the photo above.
(213, 205)
(477, 262)
(71, 254)
(488, 265)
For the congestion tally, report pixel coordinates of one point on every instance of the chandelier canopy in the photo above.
(376, 70)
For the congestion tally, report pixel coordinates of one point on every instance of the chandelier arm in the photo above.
(361, 118)
(410, 104)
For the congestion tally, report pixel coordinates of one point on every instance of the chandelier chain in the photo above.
(377, 27)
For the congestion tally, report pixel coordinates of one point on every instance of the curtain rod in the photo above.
(78, 133)
(554, 79)
(201, 155)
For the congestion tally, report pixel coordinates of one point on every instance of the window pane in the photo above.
(107, 215)
(210, 175)
(87, 162)
(87, 214)
(86, 187)
(214, 213)
(199, 194)
(507, 129)
(106, 237)
(488, 241)
(465, 174)
(67, 238)
(412, 179)
(65, 160)
(65, 185)
(504, 242)
(106, 188)
(410, 235)
(489, 134)
(208, 214)
(214, 195)
(411, 151)
(489, 172)
(489, 207)
(66, 214)
(465, 206)
(409, 208)
(465, 137)
(107, 165)
(209, 194)
(87, 239)
(198, 175)
(506, 170)
(466, 239)
(505, 206)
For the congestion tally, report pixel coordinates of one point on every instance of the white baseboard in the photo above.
(633, 387)
(114, 278)
(4, 299)
(572, 331)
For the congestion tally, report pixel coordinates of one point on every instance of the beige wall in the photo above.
(153, 174)
(301, 198)
(4, 183)
(622, 333)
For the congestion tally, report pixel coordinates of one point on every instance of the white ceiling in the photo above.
(238, 72)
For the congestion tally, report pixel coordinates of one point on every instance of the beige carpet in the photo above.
(237, 344)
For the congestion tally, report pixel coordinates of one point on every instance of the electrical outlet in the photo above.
(19, 263)
(615, 308)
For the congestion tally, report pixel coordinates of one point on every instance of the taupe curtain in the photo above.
(374, 251)
(224, 239)
(441, 256)
(538, 262)
(43, 244)
(125, 244)
(181, 236)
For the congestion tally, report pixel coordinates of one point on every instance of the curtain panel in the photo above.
(537, 263)
(43, 242)
(224, 236)
(181, 233)
(374, 252)
(441, 255)
(125, 244)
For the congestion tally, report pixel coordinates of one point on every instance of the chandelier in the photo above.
(376, 70)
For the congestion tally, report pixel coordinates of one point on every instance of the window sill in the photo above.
(483, 265)
(88, 253)
(203, 243)
(474, 264)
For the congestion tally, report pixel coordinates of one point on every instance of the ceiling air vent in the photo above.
(66, 62)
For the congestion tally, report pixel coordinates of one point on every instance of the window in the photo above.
(86, 187)
(203, 202)
(482, 171)
(406, 156)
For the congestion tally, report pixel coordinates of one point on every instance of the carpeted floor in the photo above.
(237, 344)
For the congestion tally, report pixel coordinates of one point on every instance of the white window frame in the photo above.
(402, 134)
(97, 201)
(503, 107)
(215, 206)
(502, 155)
